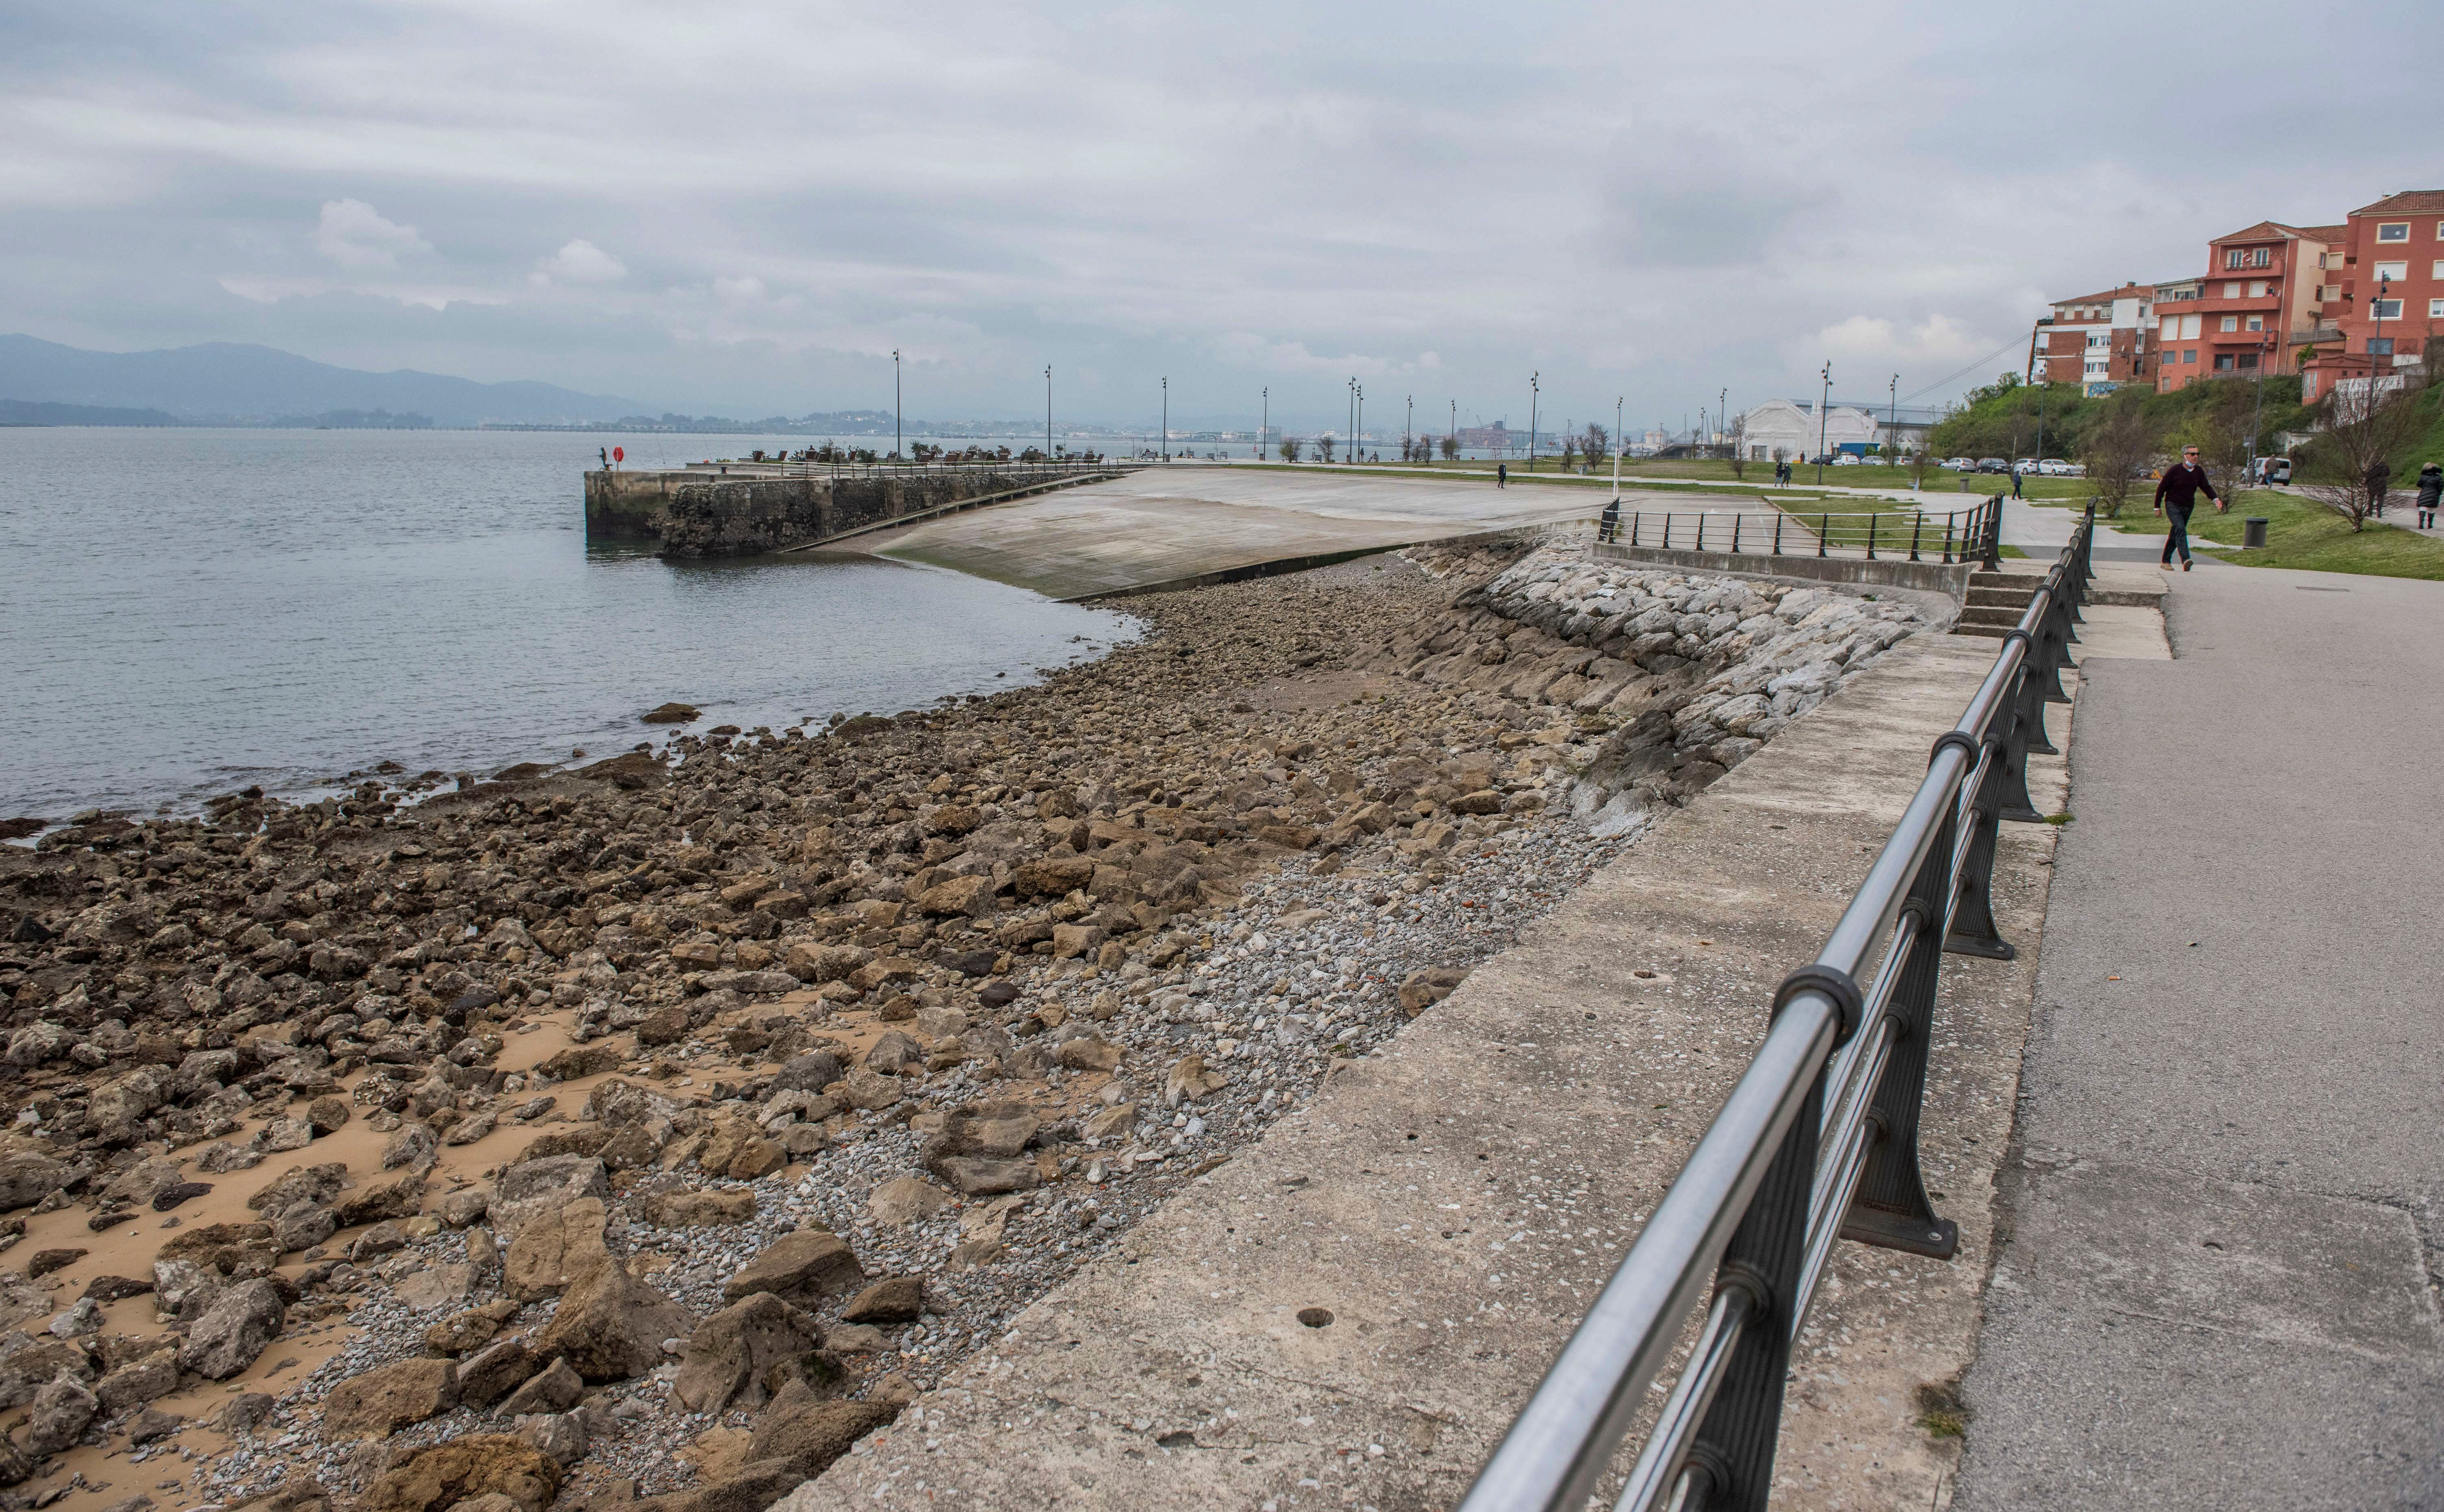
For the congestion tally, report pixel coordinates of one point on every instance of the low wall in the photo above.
(1884, 572)
(748, 511)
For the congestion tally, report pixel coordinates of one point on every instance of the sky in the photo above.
(747, 208)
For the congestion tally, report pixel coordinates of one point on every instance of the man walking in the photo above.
(1501, 474)
(2179, 488)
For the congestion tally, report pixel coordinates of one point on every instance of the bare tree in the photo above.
(1596, 444)
(1323, 445)
(1290, 448)
(2115, 450)
(1736, 433)
(1450, 449)
(2349, 463)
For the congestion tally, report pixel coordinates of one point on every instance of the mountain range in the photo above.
(223, 383)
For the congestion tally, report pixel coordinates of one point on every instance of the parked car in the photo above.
(2056, 468)
(1848, 460)
(1957, 464)
(1993, 465)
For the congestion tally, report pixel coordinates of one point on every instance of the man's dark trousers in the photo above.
(2177, 537)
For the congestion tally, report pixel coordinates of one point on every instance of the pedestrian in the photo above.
(605, 454)
(2016, 475)
(2379, 479)
(2431, 495)
(1501, 474)
(1609, 524)
(2179, 488)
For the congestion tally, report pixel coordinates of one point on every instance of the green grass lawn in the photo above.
(2299, 534)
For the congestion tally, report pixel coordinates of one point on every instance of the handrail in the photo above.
(1818, 1140)
(1948, 536)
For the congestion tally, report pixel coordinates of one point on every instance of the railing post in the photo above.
(1972, 931)
(1824, 525)
(1733, 1449)
(1778, 518)
(1870, 535)
(1889, 1209)
(1992, 545)
(1635, 516)
(1947, 540)
(2026, 719)
(1667, 529)
(1736, 535)
(1917, 522)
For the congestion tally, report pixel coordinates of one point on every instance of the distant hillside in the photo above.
(18, 412)
(222, 383)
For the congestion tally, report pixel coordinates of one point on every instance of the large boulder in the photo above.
(27, 1179)
(732, 1352)
(553, 1249)
(30, 1363)
(226, 1340)
(610, 1325)
(138, 1381)
(496, 1371)
(804, 1266)
(383, 1202)
(797, 1439)
(381, 1402)
(61, 1412)
(685, 1209)
(461, 1469)
(532, 1189)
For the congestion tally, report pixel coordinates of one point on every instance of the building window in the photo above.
(2437, 272)
(2384, 310)
(2222, 361)
(2256, 322)
(2172, 323)
(2231, 292)
(2397, 272)
(2257, 289)
(2395, 231)
(2261, 257)
(2190, 355)
(2190, 326)
(2232, 322)
(2248, 362)
(2231, 257)
(2436, 309)
(2379, 346)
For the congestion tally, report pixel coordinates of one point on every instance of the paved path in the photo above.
(2216, 1280)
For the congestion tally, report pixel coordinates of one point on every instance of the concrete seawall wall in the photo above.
(699, 513)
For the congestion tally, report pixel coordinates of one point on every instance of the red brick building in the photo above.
(2385, 286)
(2098, 340)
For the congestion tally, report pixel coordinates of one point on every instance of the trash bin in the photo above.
(2252, 531)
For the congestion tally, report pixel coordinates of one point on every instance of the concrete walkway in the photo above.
(2216, 1285)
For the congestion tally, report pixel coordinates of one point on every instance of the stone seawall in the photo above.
(700, 513)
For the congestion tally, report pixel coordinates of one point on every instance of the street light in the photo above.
(1616, 449)
(1455, 425)
(1166, 419)
(1048, 412)
(1532, 392)
(895, 404)
(1358, 426)
(1824, 403)
(1265, 424)
(1353, 407)
(1892, 418)
(1408, 430)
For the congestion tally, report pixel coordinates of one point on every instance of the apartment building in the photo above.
(2383, 286)
(2260, 301)
(2097, 340)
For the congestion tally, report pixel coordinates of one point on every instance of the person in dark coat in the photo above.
(2431, 495)
(2177, 495)
(2379, 479)
(1501, 474)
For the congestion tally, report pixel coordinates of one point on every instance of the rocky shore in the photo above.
(656, 1129)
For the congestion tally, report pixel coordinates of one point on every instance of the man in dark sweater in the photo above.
(2179, 488)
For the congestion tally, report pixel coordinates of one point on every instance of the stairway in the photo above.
(1996, 603)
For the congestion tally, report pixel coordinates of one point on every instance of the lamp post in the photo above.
(2257, 421)
(1265, 424)
(1353, 409)
(1892, 418)
(1358, 426)
(1455, 425)
(1408, 431)
(1722, 414)
(1166, 419)
(1048, 412)
(1534, 391)
(895, 442)
(1616, 449)
(1824, 403)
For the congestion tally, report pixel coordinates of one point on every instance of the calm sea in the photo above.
(187, 612)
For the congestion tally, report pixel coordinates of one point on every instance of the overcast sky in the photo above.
(745, 208)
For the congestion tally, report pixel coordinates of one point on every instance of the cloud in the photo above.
(353, 234)
(581, 262)
(1650, 205)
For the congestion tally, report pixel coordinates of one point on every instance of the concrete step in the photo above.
(2001, 617)
(1989, 632)
(2001, 597)
(2025, 581)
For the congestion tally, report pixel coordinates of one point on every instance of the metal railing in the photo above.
(1818, 1141)
(1958, 535)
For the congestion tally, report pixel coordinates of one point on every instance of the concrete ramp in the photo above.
(1350, 1314)
(1165, 527)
